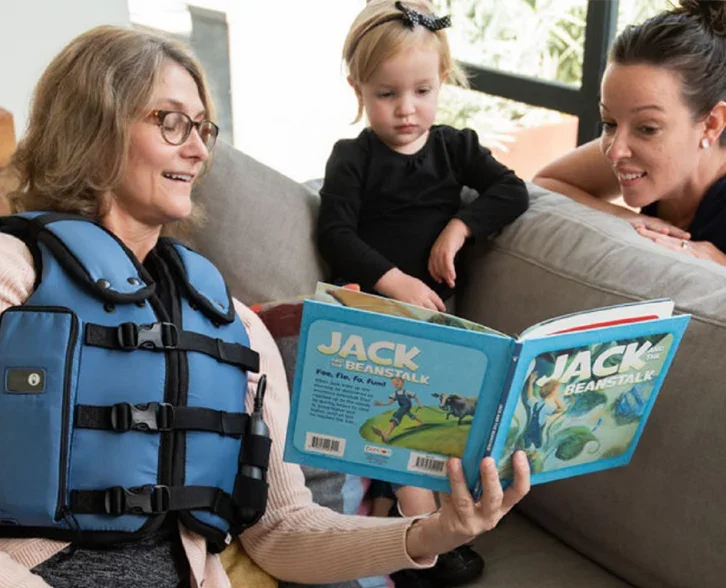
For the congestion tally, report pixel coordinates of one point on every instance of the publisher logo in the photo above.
(374, 449)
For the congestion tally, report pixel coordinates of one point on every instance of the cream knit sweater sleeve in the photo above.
(296, 535)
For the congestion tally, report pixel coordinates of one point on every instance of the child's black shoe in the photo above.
(456, 567)
(453, 568)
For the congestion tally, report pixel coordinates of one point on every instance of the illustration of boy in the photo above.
(541, 408)
(405, 404)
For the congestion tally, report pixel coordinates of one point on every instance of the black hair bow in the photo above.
(432, 22)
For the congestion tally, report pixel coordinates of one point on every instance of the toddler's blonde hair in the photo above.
(372, 39)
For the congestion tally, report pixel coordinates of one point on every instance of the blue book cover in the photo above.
(390, 391)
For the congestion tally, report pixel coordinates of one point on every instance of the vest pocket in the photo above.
(39, 356)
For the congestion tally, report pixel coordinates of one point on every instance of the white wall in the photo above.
(290, 100)
(31, 34)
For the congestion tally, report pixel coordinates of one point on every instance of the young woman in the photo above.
(662, 146)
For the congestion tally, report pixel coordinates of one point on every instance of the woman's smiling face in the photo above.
(157, 184)
(649, 135)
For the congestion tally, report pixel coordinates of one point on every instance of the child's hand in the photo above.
(400, 286)
(441, 258)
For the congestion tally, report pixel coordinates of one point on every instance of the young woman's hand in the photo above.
(400, 286)
(656, 225)
(447, 245)
(700, 249)
(460, 519)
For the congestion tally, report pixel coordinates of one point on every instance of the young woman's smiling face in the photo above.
(649, 134)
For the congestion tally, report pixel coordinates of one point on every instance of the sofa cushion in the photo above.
(659, 521)
(260, 228)
(519, 554)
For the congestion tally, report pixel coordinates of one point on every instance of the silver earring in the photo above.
(705, 143)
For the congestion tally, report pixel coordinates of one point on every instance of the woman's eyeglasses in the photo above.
(176, 127)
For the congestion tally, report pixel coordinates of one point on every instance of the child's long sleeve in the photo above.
(340, 244)
(502, 196)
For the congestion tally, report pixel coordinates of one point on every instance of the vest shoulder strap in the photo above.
(87, 251)
(202, 281)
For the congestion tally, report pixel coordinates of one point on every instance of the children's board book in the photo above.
(390, 391)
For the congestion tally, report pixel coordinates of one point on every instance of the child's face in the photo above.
(401, 98)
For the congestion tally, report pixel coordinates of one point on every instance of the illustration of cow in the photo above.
(456, 406)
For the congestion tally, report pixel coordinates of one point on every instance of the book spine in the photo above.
(503, 400)
(506, 390)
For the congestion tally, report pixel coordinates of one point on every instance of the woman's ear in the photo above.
(714, 123)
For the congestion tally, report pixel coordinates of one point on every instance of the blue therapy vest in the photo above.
(113, 414)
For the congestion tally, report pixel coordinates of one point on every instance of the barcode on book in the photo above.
(427, 464)
(325, 444)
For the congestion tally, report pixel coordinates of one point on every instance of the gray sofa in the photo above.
(659, 522)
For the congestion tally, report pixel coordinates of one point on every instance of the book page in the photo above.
(610, 316)
(352, 298)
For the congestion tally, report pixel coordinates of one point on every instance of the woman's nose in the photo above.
(616, 147)
(195, 146)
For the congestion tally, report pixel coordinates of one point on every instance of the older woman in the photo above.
(662, 146)
(124, 356)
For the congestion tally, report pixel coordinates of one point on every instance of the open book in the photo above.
(389, 390)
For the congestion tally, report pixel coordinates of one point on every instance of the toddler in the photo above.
(391, 216)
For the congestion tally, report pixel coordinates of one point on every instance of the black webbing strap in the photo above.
(159, 416)
(157, 499)
(255, 451)
(162, 336)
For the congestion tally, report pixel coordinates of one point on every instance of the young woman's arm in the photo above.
(584, 175)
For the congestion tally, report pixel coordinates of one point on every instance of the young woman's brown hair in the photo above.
(689, 40)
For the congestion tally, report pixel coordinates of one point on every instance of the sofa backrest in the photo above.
(659, 521)
(260, 228)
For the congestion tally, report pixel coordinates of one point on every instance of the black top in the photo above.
(382, 209)
(709, 222)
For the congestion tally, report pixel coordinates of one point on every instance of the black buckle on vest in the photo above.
(150, 416)
(138, 500)
(154, 336)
